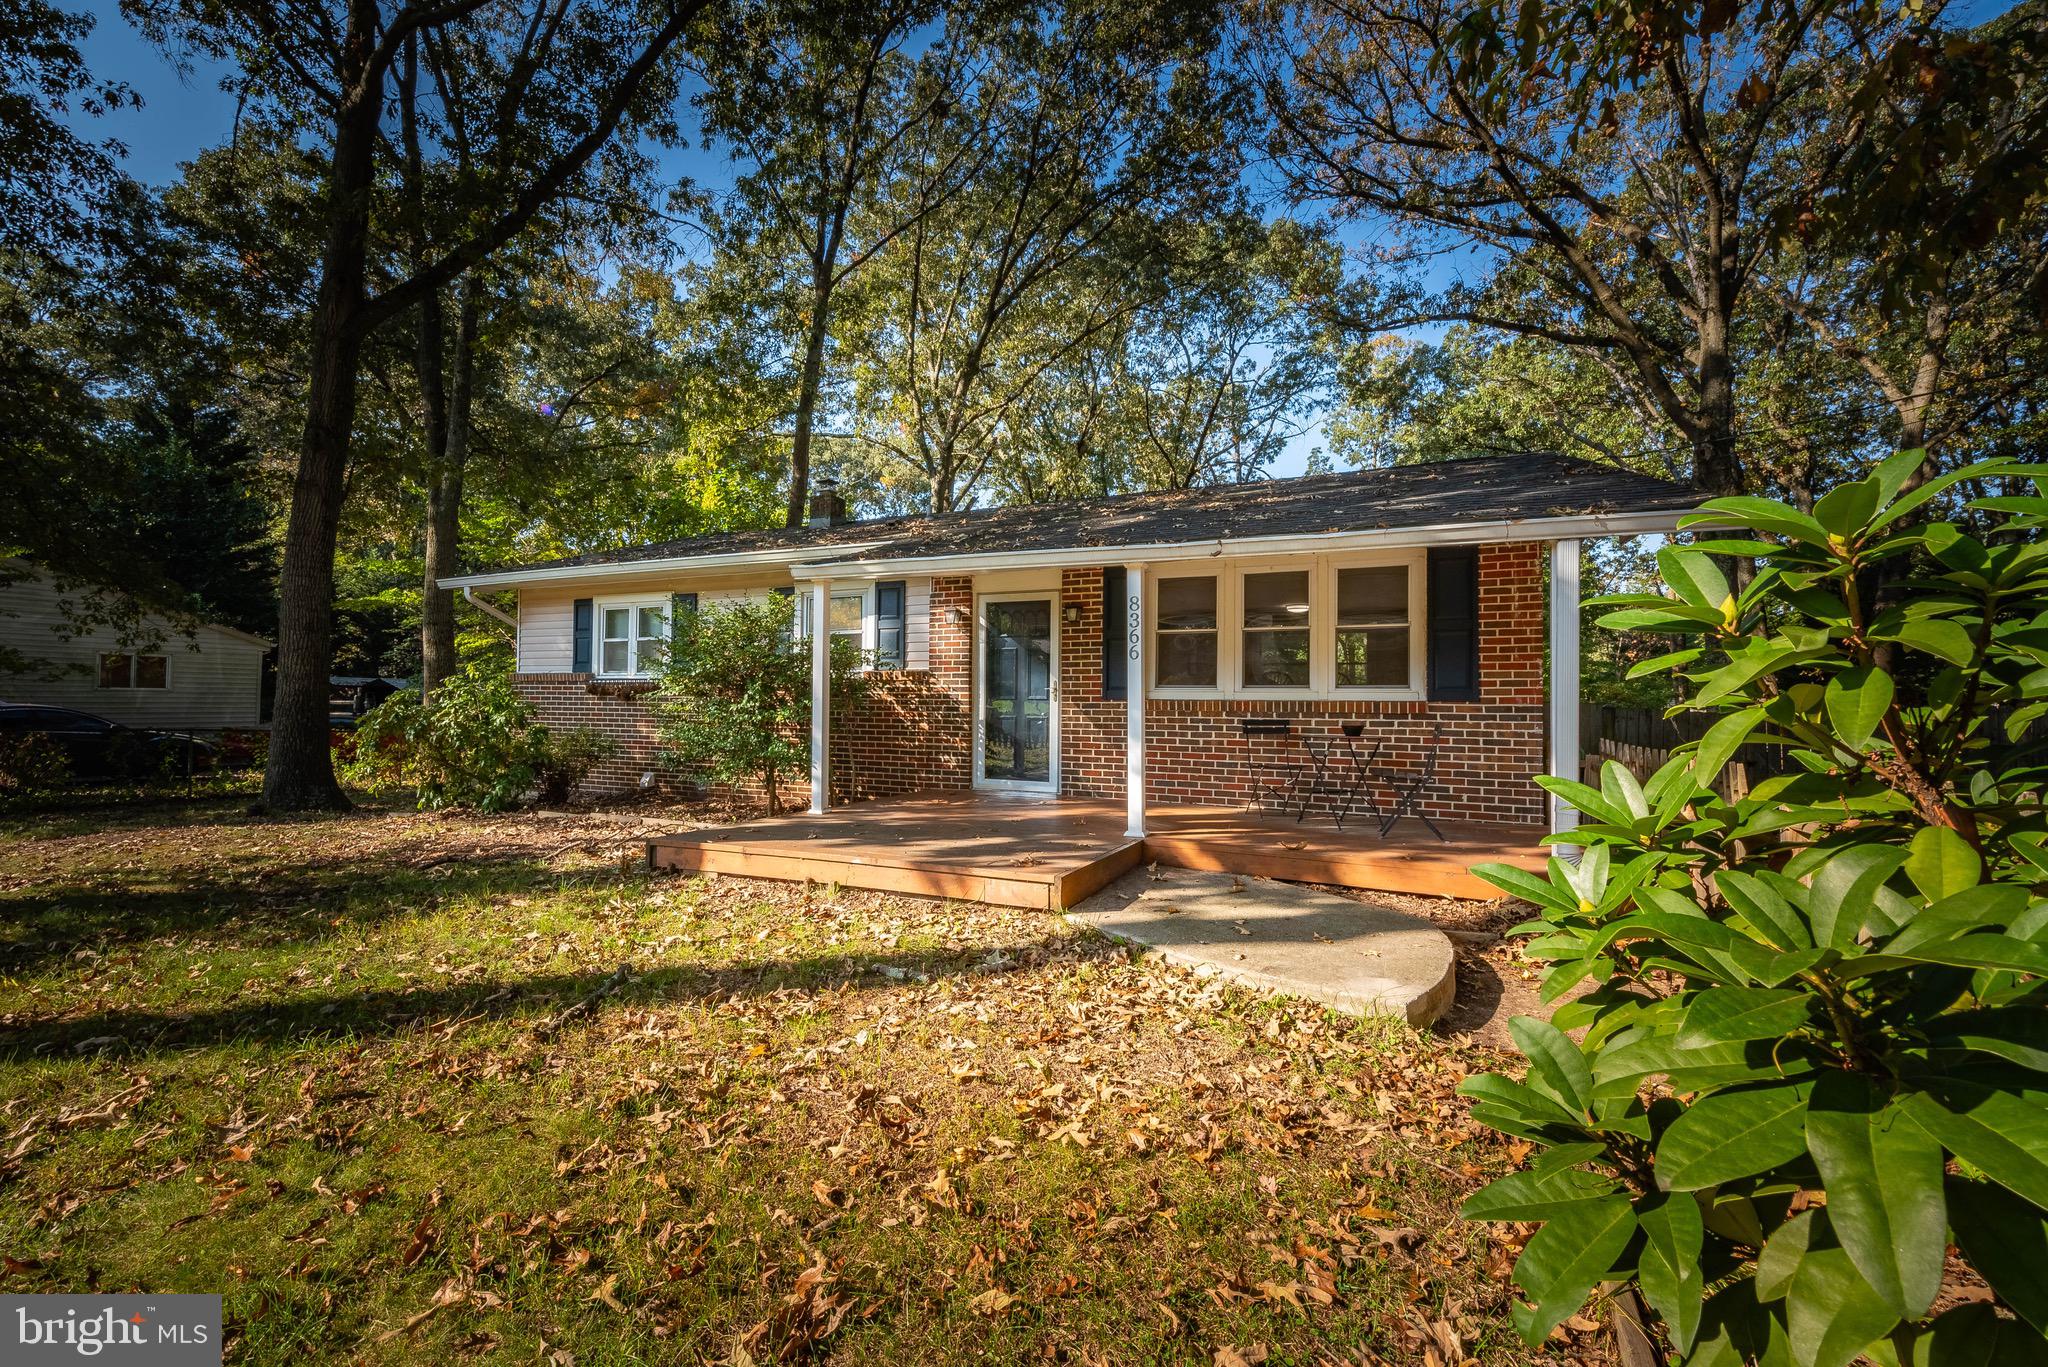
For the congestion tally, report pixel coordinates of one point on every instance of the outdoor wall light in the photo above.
(1071, 614)
(957, 616)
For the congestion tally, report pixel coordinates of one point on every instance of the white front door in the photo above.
(1016, 692)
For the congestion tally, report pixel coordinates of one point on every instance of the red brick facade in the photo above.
(916, 730)
(1196, 751)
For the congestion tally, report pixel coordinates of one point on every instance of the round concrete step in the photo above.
(1277, 937)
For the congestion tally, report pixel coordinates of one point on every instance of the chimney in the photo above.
(828, 509)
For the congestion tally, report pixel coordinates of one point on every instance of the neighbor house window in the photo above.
(1372, 627)
(635, 636)
(1276, 629)
(122, 670)
(1186, 632)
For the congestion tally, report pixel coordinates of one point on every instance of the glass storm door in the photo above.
(1018, 654)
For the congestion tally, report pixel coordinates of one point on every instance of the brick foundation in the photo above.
(915, 733)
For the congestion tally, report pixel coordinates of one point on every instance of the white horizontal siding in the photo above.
(754, 594)
(215, 679)
(547, 628)
(547, 619)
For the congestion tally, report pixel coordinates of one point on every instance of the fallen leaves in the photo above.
(423, 1238)
(810, 1313)
(994, 1302)
(810, 1109)
(606, 1294)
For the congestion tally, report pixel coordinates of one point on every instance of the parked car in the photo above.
(98, 749)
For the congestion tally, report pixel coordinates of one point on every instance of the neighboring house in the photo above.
(351, 695)
(158, 674)
(1058, 648)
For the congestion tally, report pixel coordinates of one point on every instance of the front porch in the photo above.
(1051, 853)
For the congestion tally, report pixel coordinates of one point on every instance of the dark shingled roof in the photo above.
(1480, 489)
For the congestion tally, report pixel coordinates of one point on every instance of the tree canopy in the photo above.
(492, 281)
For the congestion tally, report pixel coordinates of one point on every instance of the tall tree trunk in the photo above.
(807, 408)
(450, 459)
(300, 774)
(814, 367)
(1717, 467)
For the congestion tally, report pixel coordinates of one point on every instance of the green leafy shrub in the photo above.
(476, 744)
(563, 759)
(31, 764)
(735, 695)
(1816, 1048)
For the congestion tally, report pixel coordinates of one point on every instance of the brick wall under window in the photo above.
(915, 732)
(1196, 751)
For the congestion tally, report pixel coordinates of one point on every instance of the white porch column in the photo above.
(821, 695)
(1564, 676)
(1135, 676)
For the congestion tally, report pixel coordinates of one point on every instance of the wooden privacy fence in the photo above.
(1642, 739)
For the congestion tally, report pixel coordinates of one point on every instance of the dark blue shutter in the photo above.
(678, 605)
(889, 600)
(1115, 633)
(580, 653)
(1453, 607)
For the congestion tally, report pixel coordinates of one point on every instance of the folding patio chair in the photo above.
(1269, 781)
(1410, 786)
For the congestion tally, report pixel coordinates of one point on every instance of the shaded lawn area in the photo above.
(413, 1088)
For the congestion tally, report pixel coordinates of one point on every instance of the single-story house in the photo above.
(1155, 648)
(152, 673)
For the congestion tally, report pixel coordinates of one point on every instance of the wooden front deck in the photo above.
(1053, 852)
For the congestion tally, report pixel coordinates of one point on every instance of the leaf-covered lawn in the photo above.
(419, 1088)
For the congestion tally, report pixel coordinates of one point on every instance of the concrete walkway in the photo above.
(1278, 937)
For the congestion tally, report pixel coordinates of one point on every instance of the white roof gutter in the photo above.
(1061, 557)
(625, 569)
(1443, 534)
(488, 608)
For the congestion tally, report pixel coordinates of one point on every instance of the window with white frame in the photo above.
(632, 636)
(1277, 634)
(1184, 630)
(123, 670)
(848, 616)
(1325, 626)
(1372, 626)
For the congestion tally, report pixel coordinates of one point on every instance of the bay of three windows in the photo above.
(1318, 627)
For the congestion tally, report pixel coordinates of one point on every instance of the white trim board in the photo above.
(803, 564)
(1377, 538)
(633, 569)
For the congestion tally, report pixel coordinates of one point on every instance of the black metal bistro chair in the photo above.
(1270, 784)
(1341, 773)
(1408, 787)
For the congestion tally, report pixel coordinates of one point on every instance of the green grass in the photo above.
(418, 1088)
